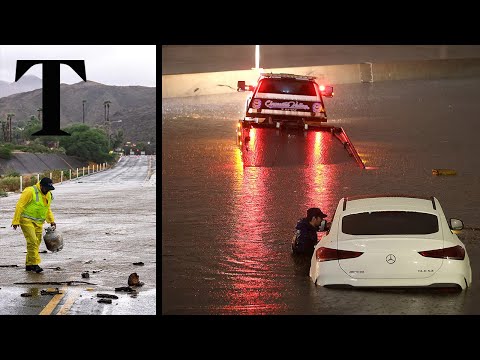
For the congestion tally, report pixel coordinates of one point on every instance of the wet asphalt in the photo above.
(228, 217)
(108, 222)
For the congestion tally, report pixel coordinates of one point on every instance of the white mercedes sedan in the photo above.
(391, 241)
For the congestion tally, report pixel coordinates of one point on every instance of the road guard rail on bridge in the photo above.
(223, 82)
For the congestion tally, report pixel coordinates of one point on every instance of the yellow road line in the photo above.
(47, 310)
(68, 304)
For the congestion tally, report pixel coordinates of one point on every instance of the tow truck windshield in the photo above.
(287, 86)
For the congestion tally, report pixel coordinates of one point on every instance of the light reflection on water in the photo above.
(228, 216)
(255, 288)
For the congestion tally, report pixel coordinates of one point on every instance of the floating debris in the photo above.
(138, 263)
(108, 296)
(443, 172)
(105, 301)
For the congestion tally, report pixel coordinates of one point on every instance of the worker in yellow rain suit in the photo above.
(32, 209)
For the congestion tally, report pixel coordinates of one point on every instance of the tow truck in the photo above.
(285, 99)
(282, 100)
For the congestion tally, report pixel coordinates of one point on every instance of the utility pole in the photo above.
(83, 104)
(9, 126)
(106, 105)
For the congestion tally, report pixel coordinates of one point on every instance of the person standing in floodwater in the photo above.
(305, 233)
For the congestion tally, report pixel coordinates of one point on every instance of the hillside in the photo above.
(134, 105)
(25, 83)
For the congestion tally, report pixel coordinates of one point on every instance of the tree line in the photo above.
(87, 143)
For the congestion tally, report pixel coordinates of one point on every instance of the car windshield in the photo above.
(390, 223)
(287, 86)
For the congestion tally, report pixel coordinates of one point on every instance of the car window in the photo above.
(287, 86)
(390, 223)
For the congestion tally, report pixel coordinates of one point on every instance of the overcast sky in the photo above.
(107, 64)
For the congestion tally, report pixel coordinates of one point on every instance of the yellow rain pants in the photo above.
(33, 235)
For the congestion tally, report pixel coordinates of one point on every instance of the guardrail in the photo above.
(90, 170)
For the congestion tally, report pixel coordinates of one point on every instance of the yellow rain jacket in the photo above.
(28, 207)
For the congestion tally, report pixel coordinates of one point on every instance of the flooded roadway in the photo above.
(226, 227)
(108, 222)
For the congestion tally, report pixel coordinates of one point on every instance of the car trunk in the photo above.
(390, 257)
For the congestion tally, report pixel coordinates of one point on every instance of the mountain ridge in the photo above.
(131, 108)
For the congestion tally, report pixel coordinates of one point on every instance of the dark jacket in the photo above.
(304, 238)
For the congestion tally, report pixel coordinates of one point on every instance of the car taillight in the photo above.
(322, 87)
(453, 253)
(327, 254)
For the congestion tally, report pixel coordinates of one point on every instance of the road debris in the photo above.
(25, 295)
(134, 280)
(89, 261)
(105, 301)
(108, 296)
(85, 275)
(125, 288)
(8, 265)
(72, 282)
(138, 263)
(50, 291)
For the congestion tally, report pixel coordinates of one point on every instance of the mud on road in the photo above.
(108, 222)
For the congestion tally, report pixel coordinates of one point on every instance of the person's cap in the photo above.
(47, 183)
(316, 212)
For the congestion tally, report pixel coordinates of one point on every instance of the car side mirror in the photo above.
(456, 224)
(242, 87)
(327, 91)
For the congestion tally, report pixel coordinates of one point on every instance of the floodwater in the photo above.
(228, 217)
